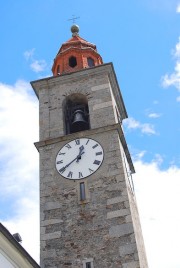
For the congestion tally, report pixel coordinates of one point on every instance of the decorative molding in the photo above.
(78, 91)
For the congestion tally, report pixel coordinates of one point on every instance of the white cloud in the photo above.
(174, 78)
(131, 123)
(28, 54)
(176, 51)
(158, 197)
(19, 161)
(157, 191)
(178, 8)
(26, 223)
(161, 5)
(147, 128)
(35, 65)
(38, 65)
(18, 121)
(139, 155)
(154, 115)
(158, 159)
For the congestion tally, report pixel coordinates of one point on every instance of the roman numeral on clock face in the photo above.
(61, 153)
(95, 146)
(87, 142)
(80, 175)
(96, 162)
(68, 146)
(77, 142)
(98, 153)
(70, 174)
(59, 162)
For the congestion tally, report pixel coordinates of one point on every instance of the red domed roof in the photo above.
(74, 55)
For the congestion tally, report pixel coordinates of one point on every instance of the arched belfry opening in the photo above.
(90, 62)
(76, 113)
(72, 61)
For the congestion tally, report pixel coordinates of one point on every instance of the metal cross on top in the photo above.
(74, 18)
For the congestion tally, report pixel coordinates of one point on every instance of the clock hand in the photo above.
(81, 148)
(77, 158)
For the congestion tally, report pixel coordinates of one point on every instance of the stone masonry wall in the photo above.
(100, 228)
(105, 227)
(134, 214)
(53, 95)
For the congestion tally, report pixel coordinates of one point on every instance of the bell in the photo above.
(78, 123)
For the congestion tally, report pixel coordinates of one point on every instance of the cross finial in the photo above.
(74, 18)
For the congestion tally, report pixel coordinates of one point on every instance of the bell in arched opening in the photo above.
(76, 113)
(79, 121)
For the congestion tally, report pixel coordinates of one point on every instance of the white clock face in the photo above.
(79, 158)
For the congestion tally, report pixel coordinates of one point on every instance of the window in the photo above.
(90, 62)
(88, 263)
(83, 196)
(58, 70)
(72, 62)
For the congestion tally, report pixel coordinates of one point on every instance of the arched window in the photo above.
(76, 113)
(58, 70)
(90, 62)
(72, 61)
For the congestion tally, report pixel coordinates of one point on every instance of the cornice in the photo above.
(107, 69)
(89, 133)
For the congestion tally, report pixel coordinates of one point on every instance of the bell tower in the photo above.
(88, 211)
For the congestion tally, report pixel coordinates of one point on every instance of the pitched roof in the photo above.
(18, 246)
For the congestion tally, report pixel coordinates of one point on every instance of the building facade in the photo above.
(12, 254)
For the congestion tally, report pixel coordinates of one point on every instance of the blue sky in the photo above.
(142, 39)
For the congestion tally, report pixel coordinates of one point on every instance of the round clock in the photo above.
(79, 158)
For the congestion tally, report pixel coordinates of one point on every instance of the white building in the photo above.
(12, 254)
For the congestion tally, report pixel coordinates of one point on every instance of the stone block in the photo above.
(49, 253)
(127, 249)
(52, 205)
(42, 230)
(102, 105)
(116, 186)
(126, 204)
(128, 218)
(121, 230)
(118, 213)
(133, 239)
(136, 257)
(133, 264)
(43, 244)
(50, 236)
(50, 222)
(116, 200)
(99, 87)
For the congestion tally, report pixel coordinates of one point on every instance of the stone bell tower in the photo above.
(88, 212)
